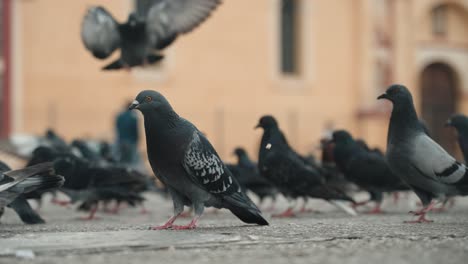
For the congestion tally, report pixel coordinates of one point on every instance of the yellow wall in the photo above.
(224, 75)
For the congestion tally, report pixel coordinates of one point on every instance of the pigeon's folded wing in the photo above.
(168, 18)
(434, 162)
(99, 32)
(205, 168)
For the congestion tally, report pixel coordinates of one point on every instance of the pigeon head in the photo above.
(458, 121)
(151, 102)
(340, 136)
(267, 122)
(397, 94)
(64, 166)
(239, 152)
(132, 19)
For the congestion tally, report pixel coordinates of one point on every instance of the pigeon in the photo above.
(140, 36)
(246, 173)
(187, 164)
(417, 159)
(460, 123)
(365, 168)
(282, 166)
(15, 183)
(90, 184)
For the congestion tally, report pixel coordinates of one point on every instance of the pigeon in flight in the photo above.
(141, 38)
(185, 161)
(460, 123)
(419, 161)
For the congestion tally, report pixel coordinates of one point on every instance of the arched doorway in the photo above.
(439, 102)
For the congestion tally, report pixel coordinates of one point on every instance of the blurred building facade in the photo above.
(311, 63)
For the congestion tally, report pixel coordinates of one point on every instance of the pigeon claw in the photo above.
(376, 210)
(288, 213)
(163, 227)
(422, 219)
(184, 227)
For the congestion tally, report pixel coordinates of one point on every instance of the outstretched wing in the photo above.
(168, 18)
(434, 162)
(205, 168)
(99, 32)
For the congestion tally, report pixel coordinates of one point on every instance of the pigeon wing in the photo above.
(205, 168)
(99, 32)
(168, 18)
(434, 162)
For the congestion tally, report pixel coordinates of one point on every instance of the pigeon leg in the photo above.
(377, 209)
(59, 202)
(92, 213)
(191, 225)
(289, 212)
(359, 204)
(422, 214)
(304, 207)
(198, 208)
(167, 225)
(178, 204)
(396, 197)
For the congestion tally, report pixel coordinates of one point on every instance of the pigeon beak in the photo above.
(257, 126)
(383, 96)
(135, 105)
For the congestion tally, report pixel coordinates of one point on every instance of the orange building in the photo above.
(308, 62)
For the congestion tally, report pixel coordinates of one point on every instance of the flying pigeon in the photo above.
(365, 168)
(185, 161)
(282, 166)
(141, 38)
(417, 159)
(460, 123)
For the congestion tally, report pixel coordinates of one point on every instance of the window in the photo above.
(289, 36)
(439, 20)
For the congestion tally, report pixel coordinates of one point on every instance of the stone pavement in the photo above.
(328, 236)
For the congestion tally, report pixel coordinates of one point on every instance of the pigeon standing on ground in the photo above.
(365, 168)
(15, 183)
(460, 123)
(246, 173)
(140, 36)
(282, 166)
(185, 161)
(419, 161)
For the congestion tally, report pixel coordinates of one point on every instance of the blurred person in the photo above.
(126, 125)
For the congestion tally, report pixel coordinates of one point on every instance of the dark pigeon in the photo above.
(365, 168)
(90, 184)
(419, 161)
(460, 123)
(188, 165)
(246, 173)
(15, 183)
(141, 38)
(289, 173)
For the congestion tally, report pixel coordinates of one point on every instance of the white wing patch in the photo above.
(435, 162)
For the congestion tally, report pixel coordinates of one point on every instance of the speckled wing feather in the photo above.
(206, 169)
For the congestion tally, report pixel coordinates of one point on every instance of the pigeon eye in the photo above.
(148, 99)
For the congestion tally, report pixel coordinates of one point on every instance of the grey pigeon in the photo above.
(185, 161)
(15, 183)
(460, 123)
(419, 161)
(140, 36)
